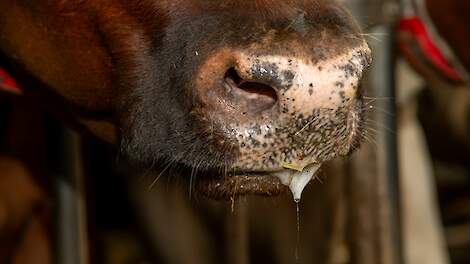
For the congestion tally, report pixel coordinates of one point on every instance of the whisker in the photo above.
(315, 118)
(378, 98)
(369, 136)
(375, 36)
(159, 175)
(379, 125)
(191, 182)
(380, 109)
(193, 177)
(307, 125)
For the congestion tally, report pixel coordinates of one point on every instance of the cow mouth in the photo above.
(237, 184)
(273, 182)
(240, 184)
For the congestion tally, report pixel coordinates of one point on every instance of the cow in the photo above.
(445, 24)
(242, 91)
(231, 86)
(452, 30)
(455, 115)
(444, 103)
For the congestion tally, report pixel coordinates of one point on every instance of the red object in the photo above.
(7, 83)
(414, 26)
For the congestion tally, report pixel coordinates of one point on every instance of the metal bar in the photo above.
(374, 183)
(69, 209)
(383, 81)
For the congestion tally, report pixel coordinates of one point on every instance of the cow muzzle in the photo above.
(281, 112)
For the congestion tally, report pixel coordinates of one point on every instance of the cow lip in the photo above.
(240, 184)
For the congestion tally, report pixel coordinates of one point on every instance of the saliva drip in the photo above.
(297, 180)
(297, 247)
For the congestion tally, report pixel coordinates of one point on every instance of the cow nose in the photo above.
(250, 96)
(247, 87)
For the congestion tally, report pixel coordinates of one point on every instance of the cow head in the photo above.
(232, 88)
(242, 88)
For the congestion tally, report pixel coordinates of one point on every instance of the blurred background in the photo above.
(404, 197)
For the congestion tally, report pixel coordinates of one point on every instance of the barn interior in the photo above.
(403, 197)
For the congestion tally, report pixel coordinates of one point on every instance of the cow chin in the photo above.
(254, 172)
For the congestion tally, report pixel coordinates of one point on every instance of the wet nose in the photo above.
(303, 86)
(245, 87)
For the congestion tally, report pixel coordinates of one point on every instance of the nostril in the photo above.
(232, 75)
(255, 96)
